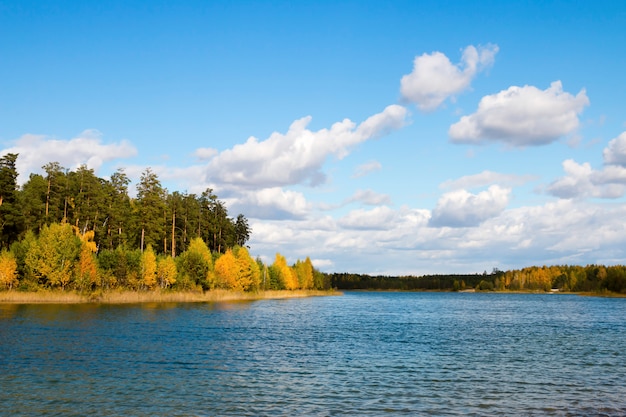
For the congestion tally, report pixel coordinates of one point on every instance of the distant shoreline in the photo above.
(134, 297)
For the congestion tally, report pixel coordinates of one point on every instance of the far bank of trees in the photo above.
(574, 278)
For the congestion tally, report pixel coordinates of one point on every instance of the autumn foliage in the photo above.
(63, 257)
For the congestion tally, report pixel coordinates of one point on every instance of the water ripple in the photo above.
(366, 354)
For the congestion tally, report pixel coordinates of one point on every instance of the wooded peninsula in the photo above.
(73, 232)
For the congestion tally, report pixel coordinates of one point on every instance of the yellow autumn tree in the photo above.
(148, 268)
(86, 239)
(249, 277)
(227, 271)
(86, 269)
(304, 272)
(286, 275)
(166, 271)
(52, 257)
(8, 270)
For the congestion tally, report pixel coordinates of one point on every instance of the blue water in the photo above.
(361, 354)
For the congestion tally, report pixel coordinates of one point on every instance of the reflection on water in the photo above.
(360, 354)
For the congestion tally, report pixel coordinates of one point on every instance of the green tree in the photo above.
(242, 230)
(196, 265)
(86, 200)
(56, 202)
(151, 207)
(118, 221)
(11, 216)
(33, 202)
(52, 258)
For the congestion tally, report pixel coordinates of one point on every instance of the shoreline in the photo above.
(137, 297)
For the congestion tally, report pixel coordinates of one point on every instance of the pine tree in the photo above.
(151, 206)
(11, 216)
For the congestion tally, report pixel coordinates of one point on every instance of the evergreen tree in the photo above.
(118, 220)
(33, 202)
(11, 216)
(242, 230)
(151, 207)
(56, 193)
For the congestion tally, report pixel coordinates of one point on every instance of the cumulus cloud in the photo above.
(522, 116)
(297, 156)
(87, 148)
(269, 203)
(367, 168)
(434, 78)
(379, 218)
(582, 181)
(615, 152)
(486, 178)
(460, 208)
(403, 241)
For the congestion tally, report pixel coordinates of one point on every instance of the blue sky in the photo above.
(378, 137)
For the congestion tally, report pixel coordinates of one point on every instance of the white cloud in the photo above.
(379, 218)
(487, 178)
(269, 203)
(582, 181)
(366, 197)
(297, 156)
(460, 208)
(522, 116)
(615, 153)
(367, 168)
(402, 241)
(434, 78)
(87, 148)
(369, 197)
(322, 263)
(205, 153)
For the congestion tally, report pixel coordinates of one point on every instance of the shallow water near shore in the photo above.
(359, 354)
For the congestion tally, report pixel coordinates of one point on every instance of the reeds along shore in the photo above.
(129, 297)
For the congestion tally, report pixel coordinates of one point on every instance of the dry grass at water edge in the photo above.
(128, 297)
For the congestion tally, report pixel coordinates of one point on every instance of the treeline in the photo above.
(590, 278)
(62, 257)
(167, 221)
(348, 281)
(74, 230)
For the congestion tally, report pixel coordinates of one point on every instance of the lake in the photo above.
(361, 354)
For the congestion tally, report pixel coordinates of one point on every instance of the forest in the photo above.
(71, 230)
(564, 278)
